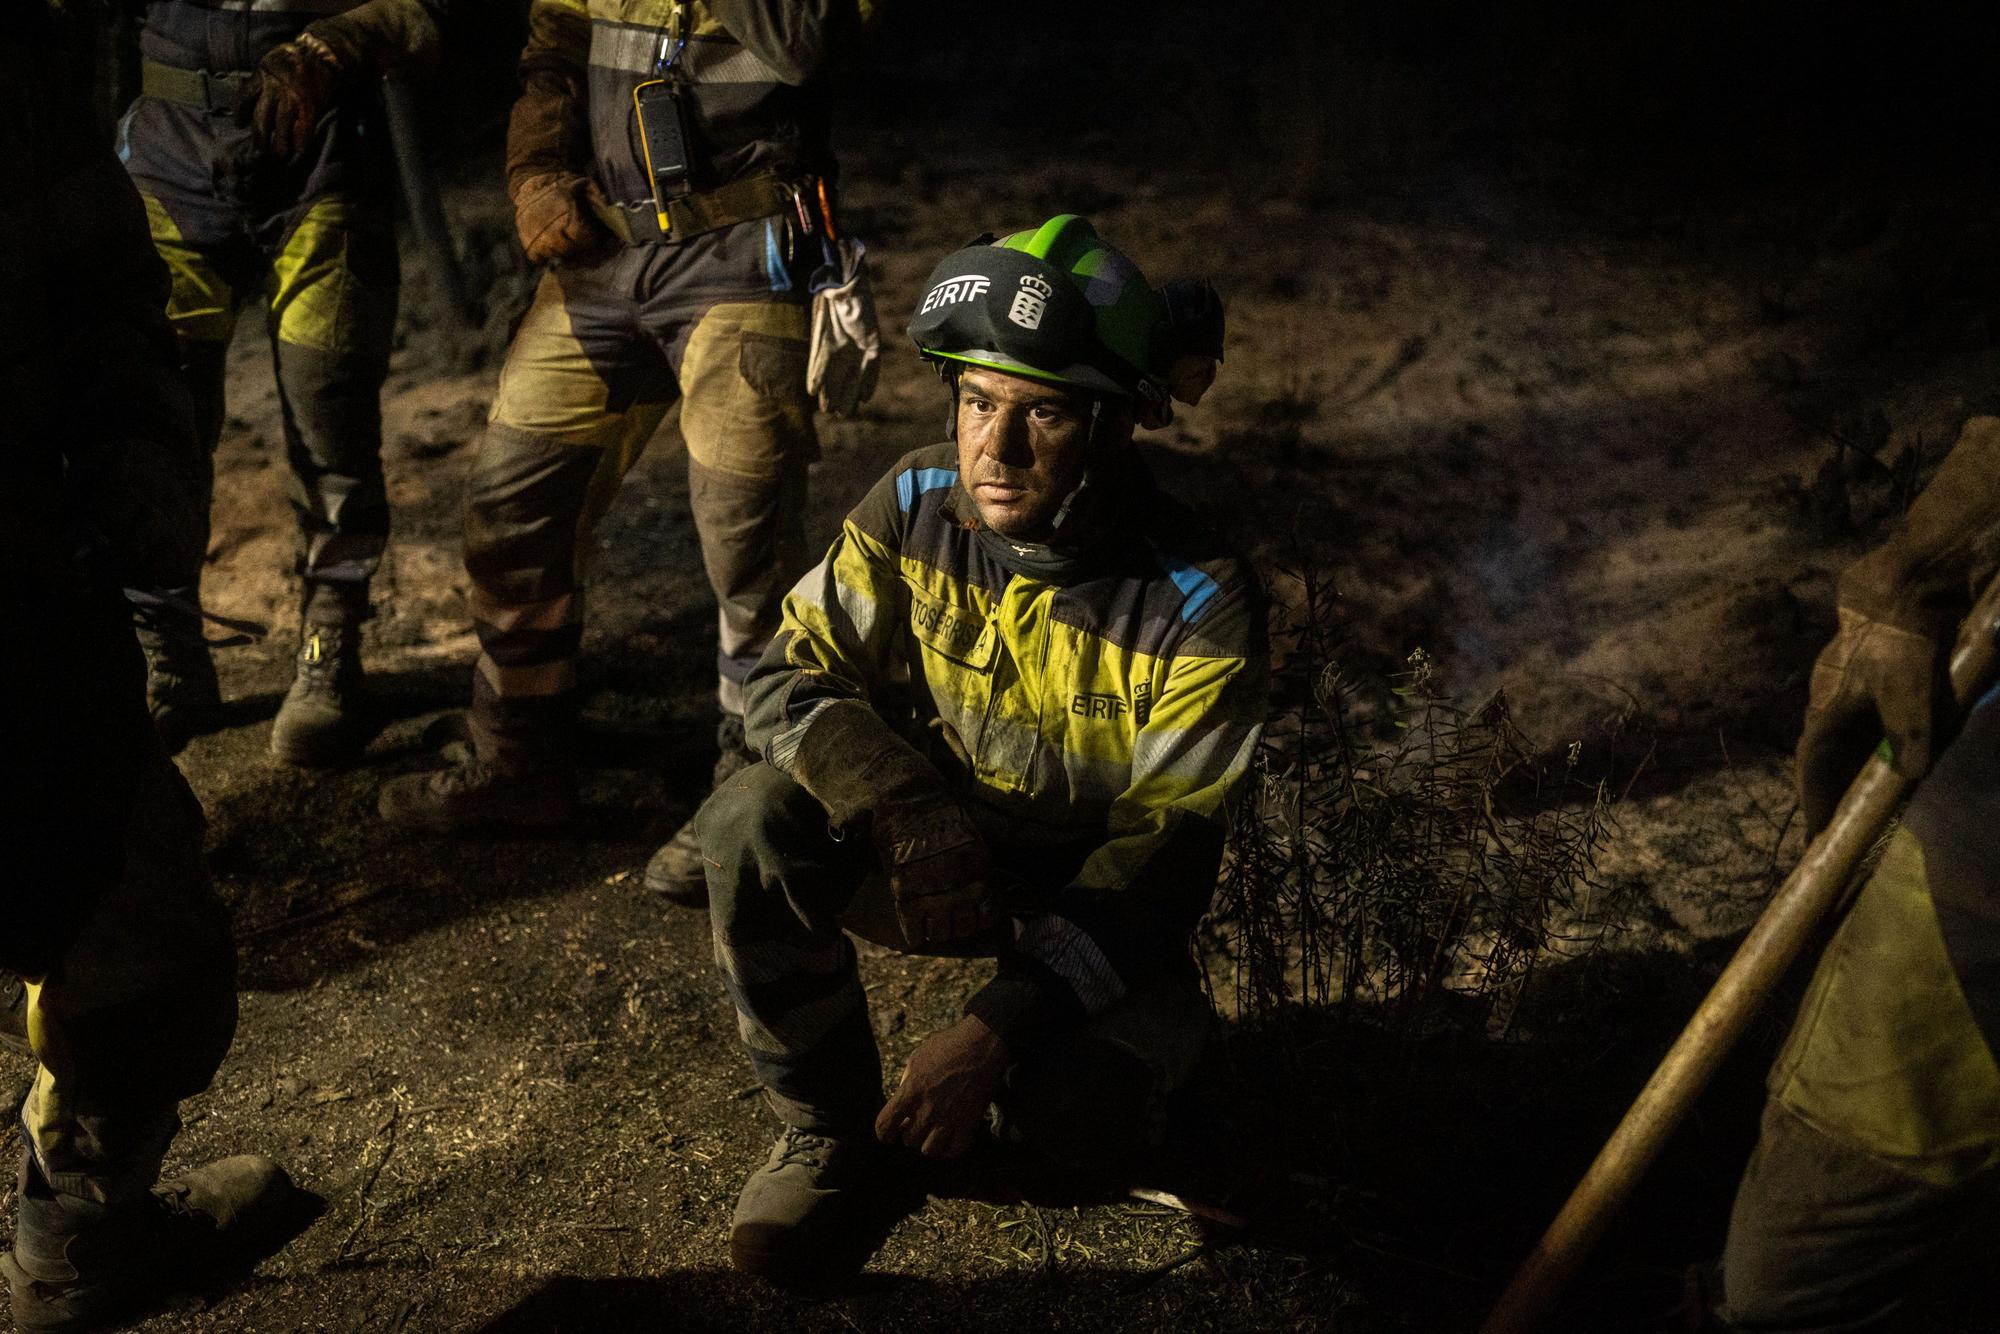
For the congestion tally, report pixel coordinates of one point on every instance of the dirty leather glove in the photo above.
(379, 36)
(296, 83)
(937, 868)
(554, 217)
(858, 768)
(548, 153)
(1873, 680)
(1900, 605)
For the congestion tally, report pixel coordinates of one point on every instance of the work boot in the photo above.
(324, 719)
(677, 870)
(181, 690)
(477, 794)
(78, 1264)
(818, 1208)
(14, 1014)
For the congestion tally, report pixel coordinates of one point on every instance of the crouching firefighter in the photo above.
(1881, 1128)
(670, 160)
(1004, 715)
(116, 952)
(260, 146)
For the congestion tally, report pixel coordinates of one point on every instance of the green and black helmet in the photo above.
(1054, 304)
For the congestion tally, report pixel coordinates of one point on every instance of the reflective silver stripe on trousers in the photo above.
(637, 50)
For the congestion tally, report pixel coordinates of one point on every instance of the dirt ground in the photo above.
(1568, 437)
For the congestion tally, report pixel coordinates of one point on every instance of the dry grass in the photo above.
(1399, 852)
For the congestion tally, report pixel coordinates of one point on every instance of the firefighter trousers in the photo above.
(327, 274)
(716, 323)
(138, 1012)
(783, 895)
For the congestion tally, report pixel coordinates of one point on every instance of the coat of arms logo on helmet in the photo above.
(1031, 302)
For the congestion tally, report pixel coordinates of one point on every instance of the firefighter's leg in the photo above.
(136, 1016)
(1882, 1125)
(181, 691)
(777, 884)
(578, 400)
(828, 1193)
(748, 424)
(332, 290)
(140, 1012)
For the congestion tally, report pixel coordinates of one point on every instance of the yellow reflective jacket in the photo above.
(1100, 723)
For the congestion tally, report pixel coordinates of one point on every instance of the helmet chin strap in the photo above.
(1089, 448)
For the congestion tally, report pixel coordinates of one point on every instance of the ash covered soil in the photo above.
(1570, 439)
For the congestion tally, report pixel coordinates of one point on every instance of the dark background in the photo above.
(1336, 96)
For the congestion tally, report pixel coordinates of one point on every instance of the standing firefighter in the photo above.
(1883, 1118)
(259, 145)
(669, 159)
(129, 1000)
(1003, 716)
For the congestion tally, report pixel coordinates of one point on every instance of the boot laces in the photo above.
(806, 1149)
(470, 775)
(323, 654)
(177, 1205)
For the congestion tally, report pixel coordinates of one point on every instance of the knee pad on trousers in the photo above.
(744, 406)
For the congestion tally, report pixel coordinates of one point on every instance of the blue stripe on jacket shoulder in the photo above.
(913, 482)
(1197, 589)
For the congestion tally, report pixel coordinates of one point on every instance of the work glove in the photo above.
(1875, 680)
(845, 353)
(548, 143)
(380, 37)
(555, 218)
(937, 868)
(859, 769)
(1884, 674)
(296, 83)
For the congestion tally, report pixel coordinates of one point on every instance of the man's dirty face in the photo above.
(1021, 446)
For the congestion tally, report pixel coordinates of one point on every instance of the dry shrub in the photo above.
(1399, 855)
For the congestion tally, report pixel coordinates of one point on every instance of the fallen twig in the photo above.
(388, 1128)
(1154, 1273)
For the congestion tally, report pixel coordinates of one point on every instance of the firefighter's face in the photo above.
(1021, 446)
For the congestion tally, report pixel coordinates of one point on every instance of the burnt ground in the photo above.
(1568, 432)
